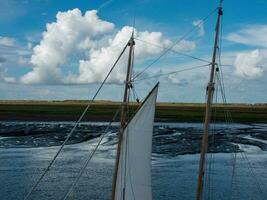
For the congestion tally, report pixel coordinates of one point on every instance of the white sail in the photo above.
(134, 172)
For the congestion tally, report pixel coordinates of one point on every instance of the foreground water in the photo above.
(26, 150)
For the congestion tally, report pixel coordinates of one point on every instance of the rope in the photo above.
(175, 43)
(204, 182)
(258, 185)
(172, 50)
(212, 160)
(228, 117)
(209, 178)
(91, 156)
(174, 72)
(243, 154)
(74, 127)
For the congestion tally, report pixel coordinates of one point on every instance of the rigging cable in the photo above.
(212, 159)
(227, 114)
(126, 137)
(209, 178)
(204, 182)
(127, 167)
(177, 42)
(91, 155)
(172, 50)
(173, 72)
(228, 118)
(252, 173)
(243, 154)
(75, 126)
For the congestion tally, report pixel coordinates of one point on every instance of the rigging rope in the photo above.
(177, 42)
(74, 127)
(212, 159)
(91, 155)
(229, 119)
(172, 50)
(250, 168)
(209, 178)
(173, 72)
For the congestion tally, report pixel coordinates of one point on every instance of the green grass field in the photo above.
(104, 111)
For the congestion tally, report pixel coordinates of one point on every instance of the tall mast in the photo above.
(210, 91)
(123, 113)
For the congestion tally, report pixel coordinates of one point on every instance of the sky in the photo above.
(57, 50)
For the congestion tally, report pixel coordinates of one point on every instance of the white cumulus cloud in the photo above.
(66, 35)
(249, 65)
(95, 43)
(95, 68)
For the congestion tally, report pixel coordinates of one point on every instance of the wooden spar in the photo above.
(123, 114)
(210, 91)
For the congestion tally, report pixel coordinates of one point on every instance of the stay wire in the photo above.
(177, 42)
(129, 166)
(252, 173)
(212, 159)
(228, 118)
(91, 155)
(209, 178)
(243, 155)
(74, 127)
(173, 72)
(172, 50)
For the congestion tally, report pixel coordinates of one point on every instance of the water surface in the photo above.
(26, 150)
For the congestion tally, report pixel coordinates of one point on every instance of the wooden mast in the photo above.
(210, 91)
(123, 113)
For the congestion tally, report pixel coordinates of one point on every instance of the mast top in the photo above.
(220, 11)
(131, 41)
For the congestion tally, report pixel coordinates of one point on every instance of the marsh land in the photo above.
(104, 111)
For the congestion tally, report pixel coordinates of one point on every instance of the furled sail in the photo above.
(134, 170)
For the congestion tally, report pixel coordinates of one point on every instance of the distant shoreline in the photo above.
(104, 110)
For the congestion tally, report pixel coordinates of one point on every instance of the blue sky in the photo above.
(23, 22)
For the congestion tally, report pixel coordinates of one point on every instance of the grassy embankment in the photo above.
(104, 110)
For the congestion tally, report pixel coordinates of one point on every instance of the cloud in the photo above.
(6, 41)
(95, 68)
(252, 35)
(13, 55)
(249, 65)
(95, 42)
(9, 47)
(23, 60)
(174, 78)
(11, 9)
(200, 25)
(68, 34)
(185, 45)
(106, 3)
(3, 77)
